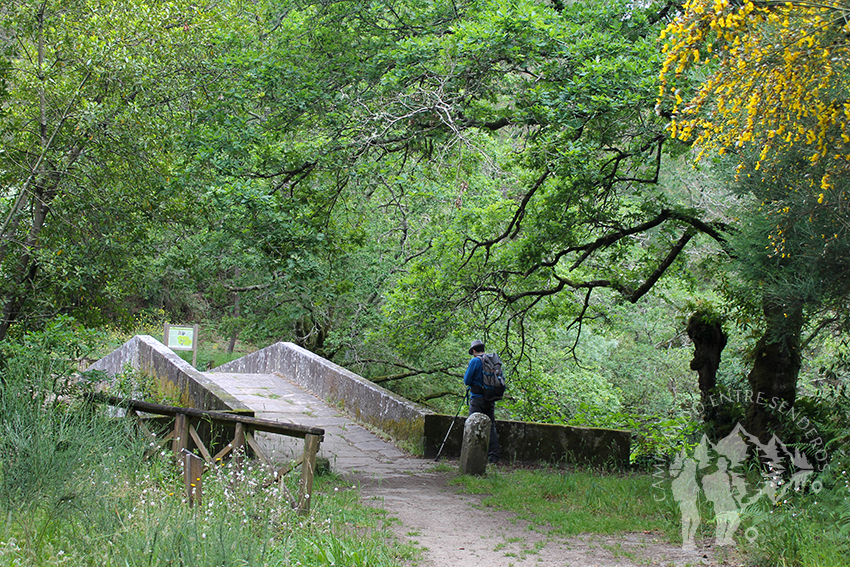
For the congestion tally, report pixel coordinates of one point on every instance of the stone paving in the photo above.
(349, 446)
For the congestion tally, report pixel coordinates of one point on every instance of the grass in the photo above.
(806, 530)
(147, 522)
(574, 502)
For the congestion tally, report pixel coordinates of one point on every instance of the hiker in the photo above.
(474, 380)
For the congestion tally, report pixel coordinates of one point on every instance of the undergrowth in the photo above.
(810, 528)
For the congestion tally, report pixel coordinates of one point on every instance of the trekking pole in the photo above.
(437, 458)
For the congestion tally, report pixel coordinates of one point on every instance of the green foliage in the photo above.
(809, 529)
(705, 312)
(653, 436)
(591, 68)
(817, 425)
(554, 398)
(95, 99)
(51, 351)
(791, 240)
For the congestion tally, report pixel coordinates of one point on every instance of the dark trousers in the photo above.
(480, 405)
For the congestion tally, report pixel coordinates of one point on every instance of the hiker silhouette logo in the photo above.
(716, 470)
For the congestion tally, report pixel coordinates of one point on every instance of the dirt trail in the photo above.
(456, 529)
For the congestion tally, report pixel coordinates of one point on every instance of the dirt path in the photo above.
(456, 529)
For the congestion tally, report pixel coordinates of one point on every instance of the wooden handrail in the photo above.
(184, 431)
(256, 423)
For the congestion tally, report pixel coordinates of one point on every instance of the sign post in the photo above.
(183, 337)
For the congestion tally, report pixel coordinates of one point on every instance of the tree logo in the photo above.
(716, 470)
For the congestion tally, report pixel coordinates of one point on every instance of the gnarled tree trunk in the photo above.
(776, 366)
(709, 341)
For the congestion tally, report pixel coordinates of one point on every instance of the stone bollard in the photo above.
(476, 440)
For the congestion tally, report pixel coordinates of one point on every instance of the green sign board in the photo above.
(182, 337)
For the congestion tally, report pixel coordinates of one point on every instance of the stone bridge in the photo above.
(364, 424)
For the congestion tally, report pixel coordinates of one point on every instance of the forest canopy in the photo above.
(382, 182)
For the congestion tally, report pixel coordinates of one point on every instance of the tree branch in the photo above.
(255, 287)
(411, 371)
(514, 225)
(821, 326)
(630, 294)
(435, 396)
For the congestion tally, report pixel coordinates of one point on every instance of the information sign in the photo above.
(182, 337)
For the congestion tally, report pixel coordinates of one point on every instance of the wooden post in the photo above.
(181, 434)
(238, 450)
(308, 468)
(195, 341)
(193, 468)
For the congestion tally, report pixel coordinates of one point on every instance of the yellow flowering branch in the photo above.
(770, 73)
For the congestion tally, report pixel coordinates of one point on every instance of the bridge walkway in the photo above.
(348, 445)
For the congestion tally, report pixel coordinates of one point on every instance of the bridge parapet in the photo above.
(364, 400)
(149, 356)
(527, 442)
(423, 428)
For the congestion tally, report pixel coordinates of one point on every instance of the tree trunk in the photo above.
(709, 341)
(776, 366)
(310, 335)
(23, 278)
(231, 345)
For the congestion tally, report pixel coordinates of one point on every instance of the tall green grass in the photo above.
(810, 528)
(75, 490)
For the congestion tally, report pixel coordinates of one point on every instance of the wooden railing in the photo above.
(185, 433)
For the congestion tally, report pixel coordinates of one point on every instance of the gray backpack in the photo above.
(494, 377)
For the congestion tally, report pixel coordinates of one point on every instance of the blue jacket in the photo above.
(474, 374)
